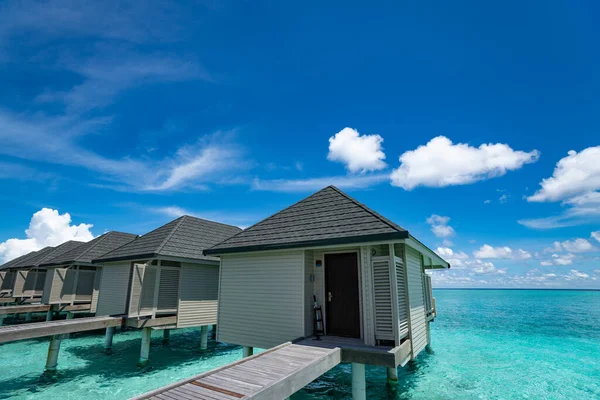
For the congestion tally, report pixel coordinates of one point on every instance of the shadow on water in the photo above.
(337, 383)
(181, 349)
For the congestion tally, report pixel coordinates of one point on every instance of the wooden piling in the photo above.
(204, 337)
(166, 335)
(53, 350)
(359, 384)
(145, 349)
(108, 338)
(247, 351)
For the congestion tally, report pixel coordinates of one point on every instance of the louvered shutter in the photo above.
(137, 281)
(382, 293)
(402, 299)
(168, 289)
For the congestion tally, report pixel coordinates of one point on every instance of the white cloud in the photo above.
(576, 274)
(578, 245)
(596, 235)
(575, 175)
(505, 252)
(487, 251)
(312, 184)
(360, 153)
(563, 259)
(242, 220)
(456, 259)
(575, 182)
(441, 163)
(503, 199)
(440, 227)
(546, 263)
(487, 202)
(46, 228)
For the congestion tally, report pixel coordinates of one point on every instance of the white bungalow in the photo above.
(72, 279)
(366, 272)
(162, 280)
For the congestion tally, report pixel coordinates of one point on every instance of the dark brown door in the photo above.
(341, 295)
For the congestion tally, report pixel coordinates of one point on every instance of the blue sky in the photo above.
(455, 120)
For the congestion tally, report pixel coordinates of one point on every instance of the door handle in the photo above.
(329, 297)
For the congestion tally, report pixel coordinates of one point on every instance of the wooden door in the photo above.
(341, 295)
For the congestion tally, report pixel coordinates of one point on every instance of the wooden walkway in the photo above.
(40, 329)
(273, 374)
(24, 308)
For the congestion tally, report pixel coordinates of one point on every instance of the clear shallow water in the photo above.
(487, 344)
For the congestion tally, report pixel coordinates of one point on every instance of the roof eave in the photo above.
(131, 257)
(310, 243)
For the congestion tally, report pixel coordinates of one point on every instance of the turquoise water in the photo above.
(487, 344)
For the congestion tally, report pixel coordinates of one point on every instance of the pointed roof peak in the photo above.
(329, 216)
(184, 237)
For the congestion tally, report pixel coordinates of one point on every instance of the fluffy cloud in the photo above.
(596, 235)
(559, 259)
(578, 245)
(575, 175)
(360, 153)
(505, 252)
(441, 163)
(575, 182)
(313, 184)
(46, 228)
(576, 274)
(456, 259)
(440, 227)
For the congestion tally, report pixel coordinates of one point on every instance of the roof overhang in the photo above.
(435, 261)
(311, 243)
(154, 256)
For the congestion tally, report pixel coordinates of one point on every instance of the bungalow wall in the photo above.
(261, 298)
(418, 324)
(114, 289)
(70, 285)
(7, 282)
(198, 295)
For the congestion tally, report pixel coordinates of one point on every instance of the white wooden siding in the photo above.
(309, 262)
(85, 285)
(48, 286)
(96, 291)
(19, 284)
(402, 299)
(416, 301)
(382, 290)
(198, 293)
(146, 303)
(135, 295)
(114, 285)
(168, 288)
(68, 285)
(261, 301)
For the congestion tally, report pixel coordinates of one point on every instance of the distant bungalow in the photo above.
(162, 280)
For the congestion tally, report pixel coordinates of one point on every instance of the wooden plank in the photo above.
(23, 308)
(41, 329)
(217, 389)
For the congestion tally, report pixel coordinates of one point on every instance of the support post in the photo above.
(247, 351)
(108, 339)
(53, 349)
(214, 331)
(204, 337)
(49, 315)
(392, 374)
(28, 317)
(359, 384)
(145, 350)
(166, 335)
(70, 315)
(2, 320)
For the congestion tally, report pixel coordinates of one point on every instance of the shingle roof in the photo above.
(327, 217)
(185, 237)
(48, 253)
(85, 253)
(17, 260)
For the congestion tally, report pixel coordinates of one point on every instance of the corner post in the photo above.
(204, 337)
(28, 317)
(392, 374)
(70, 315)
(247, 351)
(53, 350)
(166, 335)
(359, 384)
(49, 315)
(145, 349)
(108, 338)
(214, 331)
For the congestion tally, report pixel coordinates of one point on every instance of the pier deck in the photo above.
(50, 328)
(273, 374)
(24, 308)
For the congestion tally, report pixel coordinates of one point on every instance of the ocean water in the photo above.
(486, 344)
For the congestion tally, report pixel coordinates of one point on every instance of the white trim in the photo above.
(437, 261)
(394, 293)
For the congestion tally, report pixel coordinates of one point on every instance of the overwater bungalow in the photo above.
(30, 276)
(72, 278)
(162, 280)
(7, 277)
(363, 273)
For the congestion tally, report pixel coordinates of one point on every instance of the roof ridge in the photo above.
(101, 237)
(182, 218)
(269, 217)
(367, 209)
